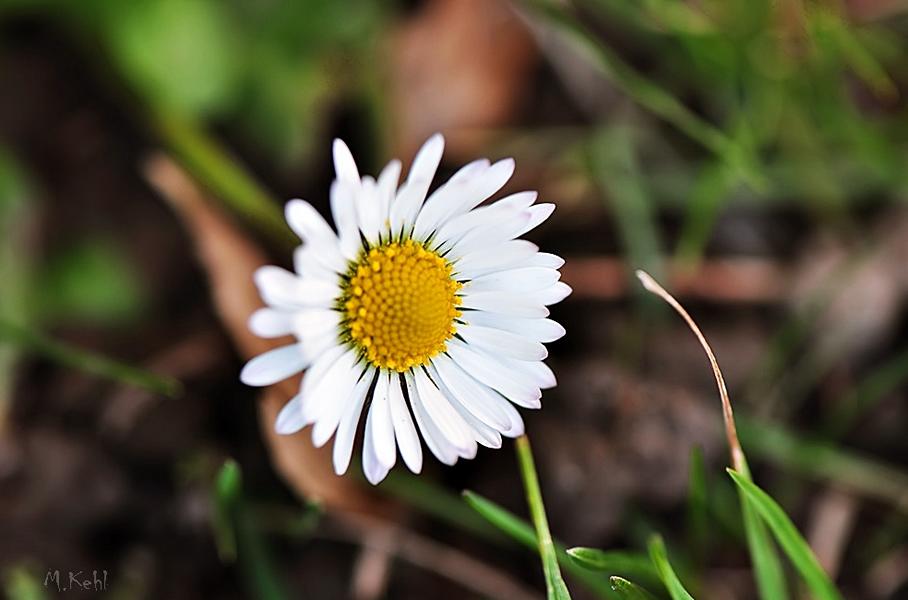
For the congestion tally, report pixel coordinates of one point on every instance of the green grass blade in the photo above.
(71, 356)
(615, 563)
(767, 567)
(669, 579)
(522, 532)
(629, 591)
(789, 538)
(238, 535)
(555, 587)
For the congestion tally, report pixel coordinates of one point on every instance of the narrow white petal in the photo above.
(271, 323)
(449, 422)
(495, 341)
(518, 305)
(535, 371)
(438, 445)
(542, 330)
(516, 280)
(553, 294)
(307, 223)
(282, 288)
(483, 216)
(538, 214)
(318, 370)
(346, 431)
(332, 387)
(309, 262)
(491, 235)
(381, 424)
(332, 412)
(480, 393)
(440, 205)
(374, 470)
(387, 190)
(544, 259)
(344, 165)
(487, 369)
(426, 161)
(290, 419)
(315, 322)
(467, 390)
(368, 210)
(274, 365)
(480, 263)
(343, 209)
(404, 430)
(482, 433)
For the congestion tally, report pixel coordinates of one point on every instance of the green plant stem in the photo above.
(556, 589)
(71, 356)
(216, 169)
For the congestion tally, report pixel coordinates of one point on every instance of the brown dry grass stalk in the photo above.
(731, 432)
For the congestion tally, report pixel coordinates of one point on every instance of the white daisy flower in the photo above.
(425, 312)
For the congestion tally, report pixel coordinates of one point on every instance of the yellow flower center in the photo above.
(399, 302)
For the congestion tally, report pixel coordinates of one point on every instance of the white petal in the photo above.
(537, 372)
(475, 264)
(343, 209)
(374, 470)
(440, 205)
(387, 190)
(307, 223)
(443, 450)
(309, 262)
(381, 424)
(271, 323)
(344, 165)
(316, 373)
(495, 341)
(491, 235)
(542, 330)
(544, 259)
(553, 294)
(368, 210)
(404, 430)
(274, 365)
(346, 431)
(330, 415)
(449, 422)
(482, 433)
(497, 212)
(487, 369)
(467, 390)
(479, 394)
(290, 419)
(426, 161)
(517, 305)
(516, 280)
(315, 322)
(538, 214)
(282, 288)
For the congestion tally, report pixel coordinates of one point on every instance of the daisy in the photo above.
(426, 313)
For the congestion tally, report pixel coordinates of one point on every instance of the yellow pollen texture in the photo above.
(400, 304)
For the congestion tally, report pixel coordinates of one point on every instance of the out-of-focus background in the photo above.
(751, 154)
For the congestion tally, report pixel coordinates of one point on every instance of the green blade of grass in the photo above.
(522, 532)
(555, 587)
(239, 537)
(614, 563)
(629, 591)
(650, 95)
(666, 573)
(789, 538)
(71, 356)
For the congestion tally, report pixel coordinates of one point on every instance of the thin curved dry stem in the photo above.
(731, 432)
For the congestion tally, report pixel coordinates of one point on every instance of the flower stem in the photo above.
(554, 583)
(89, 362)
